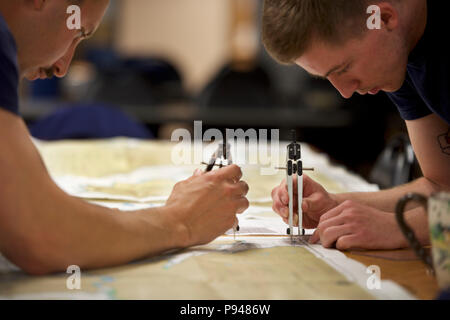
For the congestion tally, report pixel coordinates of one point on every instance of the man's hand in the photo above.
(353, 225)
(205, 205)
(316, 201)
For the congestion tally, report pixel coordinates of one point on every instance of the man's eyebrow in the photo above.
(335, 68)
(86, 35)
(316, 76)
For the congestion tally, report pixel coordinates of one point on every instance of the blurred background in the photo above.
(155, 65)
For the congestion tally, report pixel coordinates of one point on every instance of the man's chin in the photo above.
(392, 88)
(395, 85)
(32, 75)
(32, 78)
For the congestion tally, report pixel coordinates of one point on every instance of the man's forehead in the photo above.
(321, 59)
(92, 12)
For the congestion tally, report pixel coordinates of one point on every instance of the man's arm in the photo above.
(387, 199)
(42, 229)
(426, 136)
(357, 224)
(366, 219)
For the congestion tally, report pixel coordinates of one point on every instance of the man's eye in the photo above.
(343, 70)
(81, 34)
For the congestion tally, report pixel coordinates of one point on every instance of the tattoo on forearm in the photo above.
(444, 142)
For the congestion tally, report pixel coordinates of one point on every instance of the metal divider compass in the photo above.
(294, 166)
(221, 158)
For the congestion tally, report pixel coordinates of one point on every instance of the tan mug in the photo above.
(438, 209)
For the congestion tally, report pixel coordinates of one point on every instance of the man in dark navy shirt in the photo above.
(44, 230)
(368, 46)
(9, 71)
(427, 81)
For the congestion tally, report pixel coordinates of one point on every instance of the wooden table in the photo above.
(402, 267)
(399, 266)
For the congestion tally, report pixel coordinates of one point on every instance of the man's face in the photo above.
(50, 49)
(376, 61)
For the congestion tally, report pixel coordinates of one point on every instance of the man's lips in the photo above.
(369, 91)
(374, 91)
(41, 74)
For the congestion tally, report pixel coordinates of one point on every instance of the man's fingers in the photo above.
(309, 223)
(331, 235)
(281, 209)
(305, 205)
(335, 211)
(274, 193)
(197, 172)
(308, 185)
(333, 221)
(283, 195)
(284, 211)
(315, 237)
(231, 172)
(283, 184)
(312, 203)
(277, 204)
(348, 242)
(242, 205)
(242, 188)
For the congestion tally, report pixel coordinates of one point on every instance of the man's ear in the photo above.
(389, 15)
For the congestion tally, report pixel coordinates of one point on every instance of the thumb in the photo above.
(313, 203)
(315, 237)
(197, 172)
(309, 185)
(305, 205)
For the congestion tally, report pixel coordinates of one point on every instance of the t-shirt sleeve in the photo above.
(410, 105)
(9, 75)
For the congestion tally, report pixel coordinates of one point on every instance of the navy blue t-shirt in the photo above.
(9, 71)
(426, 88)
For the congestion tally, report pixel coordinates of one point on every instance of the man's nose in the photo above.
(62, 65)
(345, 88)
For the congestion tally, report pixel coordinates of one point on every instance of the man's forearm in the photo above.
(386, 200)
(63, 231)
(42, 229)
